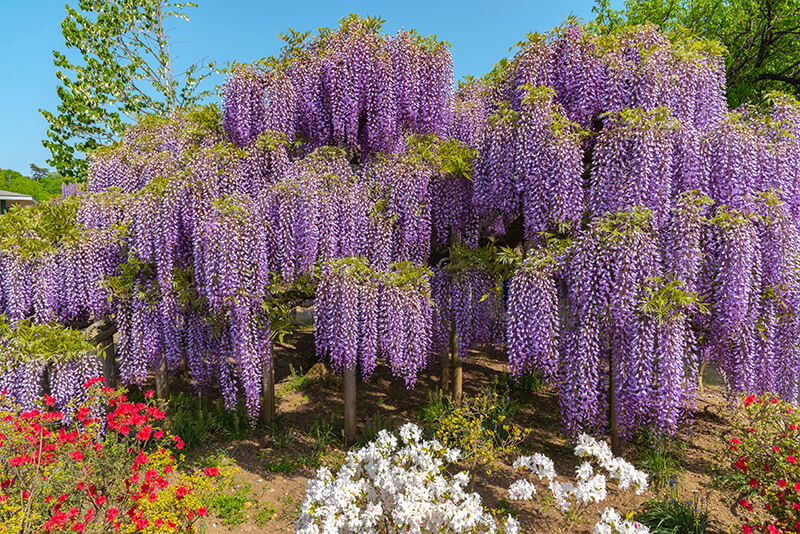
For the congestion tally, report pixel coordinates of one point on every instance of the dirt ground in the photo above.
(274, 466)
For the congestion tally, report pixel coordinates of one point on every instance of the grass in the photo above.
(232, 508)
(673, 516)
(197, 420)
(297, 382)
(265, 513)
(660, 457)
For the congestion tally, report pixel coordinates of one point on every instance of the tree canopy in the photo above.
(762, 37)
(123, 69)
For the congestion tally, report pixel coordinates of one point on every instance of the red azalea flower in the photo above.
(202, 511)
(211, 471)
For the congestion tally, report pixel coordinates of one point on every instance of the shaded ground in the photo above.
(276, 464)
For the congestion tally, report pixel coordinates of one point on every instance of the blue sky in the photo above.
(480, 32)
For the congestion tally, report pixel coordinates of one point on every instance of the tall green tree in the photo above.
(117, 66)
(762, 37)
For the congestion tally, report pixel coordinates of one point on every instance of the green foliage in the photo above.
(480, 426)
(523, 388)
(122, 69)
(46, 342)
(674, 516)
(660, 457)
(669, 300)
(265, 512)
(759, 37)
(231, 508)
(30, 231)
(449, 157)
(297, 382)
(198, 420)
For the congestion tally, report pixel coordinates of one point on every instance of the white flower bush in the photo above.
(395, 485)
(590, 487)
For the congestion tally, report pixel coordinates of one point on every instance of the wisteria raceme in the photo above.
(730, 163)
(22, 381)
(361, 312)
(578, 75)
(401, 188)
(533, 328)
(777, 356)
(632, 163)
(257, 102)
(495, 190)
(404, 329)
(548, 164)
(609, 265)
(469, 113)
(735, 297)
(467, 301)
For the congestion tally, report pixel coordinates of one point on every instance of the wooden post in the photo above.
(617, 446)
(350, 429)
(268, 392)
(456, 380)
(700, 385)
(162, 385)
(444, 373)
(108, 355)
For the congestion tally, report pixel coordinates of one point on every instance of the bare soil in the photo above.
(276, 464)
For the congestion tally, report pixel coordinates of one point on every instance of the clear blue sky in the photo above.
(480, 32)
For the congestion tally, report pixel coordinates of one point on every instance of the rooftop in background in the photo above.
(10, 195)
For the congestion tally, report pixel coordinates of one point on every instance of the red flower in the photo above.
(148, 393)
(48, 400)
(782, 483)
(202, 511)
(747, 529)
(211, 471)
(76, 455)
(791, 459)
(111, 514)
(178, 442)
(773, 530)
(749, 400)
(744, 503)
(754, 482)
(181, 492)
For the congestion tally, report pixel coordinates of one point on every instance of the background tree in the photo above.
(37, 172)
(762, 37)
(125, 70)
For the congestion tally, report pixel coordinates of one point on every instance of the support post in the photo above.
(108, 356)
(617, 446)
(444, 373)
(268, 392)
(162, 385)
(350, 429)
(456, 380)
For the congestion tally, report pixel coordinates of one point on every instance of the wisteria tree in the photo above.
(591, 203)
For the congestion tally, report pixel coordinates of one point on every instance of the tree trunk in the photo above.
(268, 392)
(162, 385)
(350, 429)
